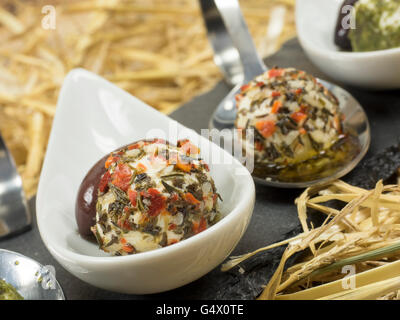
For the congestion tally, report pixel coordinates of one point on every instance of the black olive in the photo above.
(85, 207)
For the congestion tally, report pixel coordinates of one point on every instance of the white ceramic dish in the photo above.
(315, 22)
(93, 118)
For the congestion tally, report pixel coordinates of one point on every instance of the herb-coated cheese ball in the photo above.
(294, 117)
(153, 194)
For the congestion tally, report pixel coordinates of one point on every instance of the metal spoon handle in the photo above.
(235, 52)
(14, 214)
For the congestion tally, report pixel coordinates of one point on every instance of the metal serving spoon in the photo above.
(32, 280)
(14, 214)
(239, 61)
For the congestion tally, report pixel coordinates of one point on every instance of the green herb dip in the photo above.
(8, 292)
(377, 25)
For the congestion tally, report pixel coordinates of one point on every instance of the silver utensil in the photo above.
(234, 51)
(14, 214)
(32, 280)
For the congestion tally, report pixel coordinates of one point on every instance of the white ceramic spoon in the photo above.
(93, 118)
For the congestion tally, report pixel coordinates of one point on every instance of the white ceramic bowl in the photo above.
(93, 118)
(315, 22)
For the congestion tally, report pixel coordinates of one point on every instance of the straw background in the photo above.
(157, 50)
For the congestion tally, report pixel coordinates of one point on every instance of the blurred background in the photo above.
(155, 49)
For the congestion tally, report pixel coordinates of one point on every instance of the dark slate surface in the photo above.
(274, 216)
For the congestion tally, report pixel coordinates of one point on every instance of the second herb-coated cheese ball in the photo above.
(294, 117)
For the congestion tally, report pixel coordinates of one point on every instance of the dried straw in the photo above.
(365, 234)
(158, 52)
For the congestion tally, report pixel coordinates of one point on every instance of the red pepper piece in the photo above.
(141, 168)
(336, 121)
(181, 142)
(183, 165)
(134, 146)
(132, 194)
(244, 87)
(299, 116)
(122, 176)
(275, 94)
(266, 127)
(105, 179)
(276, 106)
(158, 140)
(127, 225)
(124, 224)
(215, 198)
(200, 226)
(258, 145)
(172, 226)
(275, 73)
(157, 201)
(189, 148)
(205, 165)
(110, 160)
(303, 108)
(128, 248)
(174, 197)
(172, 241)
(190, 198)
